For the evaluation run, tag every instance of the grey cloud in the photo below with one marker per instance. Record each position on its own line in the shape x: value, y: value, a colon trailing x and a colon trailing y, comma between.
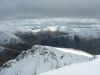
x: 49, y: 8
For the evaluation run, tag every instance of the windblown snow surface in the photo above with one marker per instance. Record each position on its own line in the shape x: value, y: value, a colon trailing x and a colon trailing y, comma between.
x: 87, y: 68
x: 41, y: 59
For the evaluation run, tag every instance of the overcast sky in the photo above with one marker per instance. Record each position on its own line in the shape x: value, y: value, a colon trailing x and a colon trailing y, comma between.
x: 49, y: 8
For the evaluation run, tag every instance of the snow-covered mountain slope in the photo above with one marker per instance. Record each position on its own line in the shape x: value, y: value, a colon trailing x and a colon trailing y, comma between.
x: 82, y: 27
x: 8, y: 38
x: 40, y: 59
x: 2, y: 49
x: 87, y: 68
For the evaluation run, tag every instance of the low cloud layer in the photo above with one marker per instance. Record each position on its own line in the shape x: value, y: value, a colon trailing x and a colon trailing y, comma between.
x: 49, y: 8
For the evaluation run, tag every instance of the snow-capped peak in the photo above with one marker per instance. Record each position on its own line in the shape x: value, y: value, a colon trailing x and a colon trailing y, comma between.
x: 40, y: 59
x: 8, y: 38
x: 2, y: 49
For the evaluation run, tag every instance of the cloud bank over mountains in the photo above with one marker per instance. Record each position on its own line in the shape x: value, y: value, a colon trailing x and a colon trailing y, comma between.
x: 49, y: 8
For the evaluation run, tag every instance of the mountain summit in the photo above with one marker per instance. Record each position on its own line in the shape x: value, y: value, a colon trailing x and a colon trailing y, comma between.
x: 40, y: 59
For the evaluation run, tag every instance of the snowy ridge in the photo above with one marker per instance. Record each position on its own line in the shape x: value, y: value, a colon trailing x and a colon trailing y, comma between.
x: 75, y: 52
x: 87, y: 68
x: 8, y: 38
x: 2, y: 49
x: 41, y: 59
